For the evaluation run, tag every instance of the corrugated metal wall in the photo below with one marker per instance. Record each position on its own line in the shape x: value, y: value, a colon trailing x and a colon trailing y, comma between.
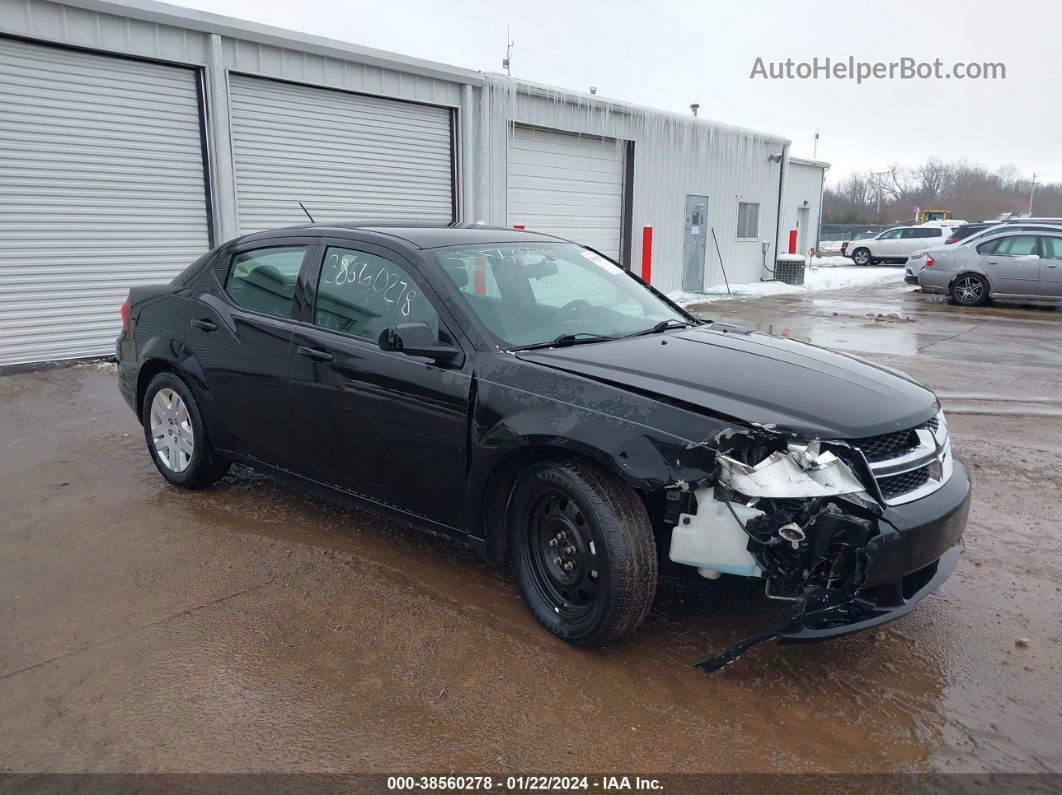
x: 673, y: 156
x: 803, y: 184
x: 101, y: 188
x: 345, y: 156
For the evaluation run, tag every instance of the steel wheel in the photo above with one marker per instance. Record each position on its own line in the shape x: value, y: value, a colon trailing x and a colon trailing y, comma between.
x: 563, y: 556
x: 969, y: 290
x: 171, y: 430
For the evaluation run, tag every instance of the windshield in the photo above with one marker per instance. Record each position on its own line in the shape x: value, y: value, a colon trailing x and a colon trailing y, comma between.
x: 526, y: 295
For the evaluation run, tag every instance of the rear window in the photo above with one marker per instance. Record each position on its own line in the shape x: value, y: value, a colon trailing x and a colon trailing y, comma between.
x: 264, y: 280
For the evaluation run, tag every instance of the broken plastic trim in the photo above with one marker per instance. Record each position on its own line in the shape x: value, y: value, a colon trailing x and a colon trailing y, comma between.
x: 816, y: 520
x: 802, y: 471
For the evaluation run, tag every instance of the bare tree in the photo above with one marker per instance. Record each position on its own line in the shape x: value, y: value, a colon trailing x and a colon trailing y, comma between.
x: 969, y: 190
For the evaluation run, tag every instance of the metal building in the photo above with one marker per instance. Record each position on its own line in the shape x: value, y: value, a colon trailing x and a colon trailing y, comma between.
x: 802, y: 207
x: 135, y: 135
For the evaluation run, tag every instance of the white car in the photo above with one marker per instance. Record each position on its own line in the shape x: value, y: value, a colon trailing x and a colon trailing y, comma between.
x: 895, y: 245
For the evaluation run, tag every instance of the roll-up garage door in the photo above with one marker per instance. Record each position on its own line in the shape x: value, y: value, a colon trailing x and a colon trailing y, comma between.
x: 347, y: 157
x: 101, y: 188
x: 567, y: 185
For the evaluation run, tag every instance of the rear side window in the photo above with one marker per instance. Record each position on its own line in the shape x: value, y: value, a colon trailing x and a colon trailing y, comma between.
x: 264, y: 280
x: 1017, y: 246
x: 932, y: 232
x: 362, y: 294
x: 1052, y: 247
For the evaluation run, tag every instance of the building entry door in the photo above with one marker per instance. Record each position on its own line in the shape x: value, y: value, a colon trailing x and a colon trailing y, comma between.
x: 695, y: 243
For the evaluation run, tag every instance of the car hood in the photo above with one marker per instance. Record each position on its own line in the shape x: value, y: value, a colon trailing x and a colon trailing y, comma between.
x: 754, y: 377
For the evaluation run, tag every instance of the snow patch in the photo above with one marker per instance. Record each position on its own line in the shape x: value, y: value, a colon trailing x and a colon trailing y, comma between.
x: 825, y: 273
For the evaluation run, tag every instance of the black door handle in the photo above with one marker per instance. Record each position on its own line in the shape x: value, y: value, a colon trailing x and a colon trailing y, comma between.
x: 317, y: 354
x: 205, y: 325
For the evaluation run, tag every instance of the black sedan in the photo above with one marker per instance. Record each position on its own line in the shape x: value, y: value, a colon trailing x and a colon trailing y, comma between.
x: 530, y: 397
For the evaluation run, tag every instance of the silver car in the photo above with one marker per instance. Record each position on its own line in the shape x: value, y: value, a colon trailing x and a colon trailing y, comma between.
x: 1009, y: 264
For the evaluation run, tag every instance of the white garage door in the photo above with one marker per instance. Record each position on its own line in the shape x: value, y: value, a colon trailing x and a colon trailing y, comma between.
x: 567, y: 185
x: 346, y: 157
x: 101, y: 188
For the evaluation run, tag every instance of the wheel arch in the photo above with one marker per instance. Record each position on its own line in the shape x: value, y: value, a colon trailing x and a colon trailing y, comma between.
x: 492, y: 499
x: 970, y: 272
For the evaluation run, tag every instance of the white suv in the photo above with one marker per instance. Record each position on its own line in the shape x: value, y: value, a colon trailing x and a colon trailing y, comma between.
x: 895, y: 245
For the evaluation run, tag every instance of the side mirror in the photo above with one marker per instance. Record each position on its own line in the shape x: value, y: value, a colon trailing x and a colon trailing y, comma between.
x: 416, y: 339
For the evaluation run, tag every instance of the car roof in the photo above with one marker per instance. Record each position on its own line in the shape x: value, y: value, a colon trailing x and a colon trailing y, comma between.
x: 423, y: 236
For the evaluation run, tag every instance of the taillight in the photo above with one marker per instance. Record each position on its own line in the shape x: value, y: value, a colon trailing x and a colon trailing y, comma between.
x: 929, y: 261
x: 951, y: 240
x: 125, y: 316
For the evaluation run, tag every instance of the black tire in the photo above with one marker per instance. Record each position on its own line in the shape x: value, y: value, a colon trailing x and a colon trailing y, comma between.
x: 611, y: 584
x: 969, y: 289
x: 205, y: 466
x: 861, y: 256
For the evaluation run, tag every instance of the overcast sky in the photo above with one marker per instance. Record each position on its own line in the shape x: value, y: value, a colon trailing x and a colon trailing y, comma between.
x: 669, y: 54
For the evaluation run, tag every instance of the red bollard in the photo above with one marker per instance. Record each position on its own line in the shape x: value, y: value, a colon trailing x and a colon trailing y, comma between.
x: 792, y: 241
x: 479, y: 276
x: 647, y: 254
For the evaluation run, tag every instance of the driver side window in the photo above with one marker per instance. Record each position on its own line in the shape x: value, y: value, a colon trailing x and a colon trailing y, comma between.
x: 362, y: 294
x: 892, y: 234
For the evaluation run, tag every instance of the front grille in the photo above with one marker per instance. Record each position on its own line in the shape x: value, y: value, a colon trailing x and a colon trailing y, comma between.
x: 890, y: 445
x: 894, y: 486
x: 908, y: 464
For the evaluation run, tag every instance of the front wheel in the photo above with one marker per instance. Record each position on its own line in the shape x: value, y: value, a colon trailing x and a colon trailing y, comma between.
x: 969, y: 290
x: 176, y: 436
x: 861, y: 256
x: 583, y: 551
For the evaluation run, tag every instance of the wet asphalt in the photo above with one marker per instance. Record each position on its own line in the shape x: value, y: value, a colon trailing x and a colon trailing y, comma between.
x: 251, y: 627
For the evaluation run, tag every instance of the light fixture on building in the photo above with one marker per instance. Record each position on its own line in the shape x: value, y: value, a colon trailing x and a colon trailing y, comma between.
x: 593, y: 89
x: 695, y: 107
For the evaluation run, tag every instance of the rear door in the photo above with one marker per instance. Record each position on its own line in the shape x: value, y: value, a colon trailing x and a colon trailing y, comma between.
x: 242, y: 339
x: 1050, y: 283
x: 389, y: 427
x: 1012, y: 264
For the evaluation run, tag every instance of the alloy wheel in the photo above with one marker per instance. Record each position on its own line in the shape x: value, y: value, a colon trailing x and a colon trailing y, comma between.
x: 969, y: 290
x: 563, y: 555
x: 171, y: 430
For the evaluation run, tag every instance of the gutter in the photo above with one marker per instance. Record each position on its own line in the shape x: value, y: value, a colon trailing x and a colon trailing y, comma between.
x: 205, y: 22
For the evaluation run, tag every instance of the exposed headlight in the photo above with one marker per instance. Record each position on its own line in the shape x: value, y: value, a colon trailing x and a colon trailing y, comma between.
x: 804, y: 470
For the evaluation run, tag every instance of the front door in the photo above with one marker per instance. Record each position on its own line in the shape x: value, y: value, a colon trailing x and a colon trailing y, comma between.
x: 695, y: 243
x: 1050, y: 283
x: 802, y: 230
x: 241, y: 341
x: 1012, y: 264
x: 389, y: 427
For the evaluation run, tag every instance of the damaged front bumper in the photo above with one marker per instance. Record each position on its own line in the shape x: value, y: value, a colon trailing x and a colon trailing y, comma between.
x: 917, y: 550
x: 847, y: 564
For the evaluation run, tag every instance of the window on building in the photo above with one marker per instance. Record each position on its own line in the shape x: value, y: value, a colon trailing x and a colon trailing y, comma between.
x: 362, y: 294
x: 264, y: 280
x: 748, y: 221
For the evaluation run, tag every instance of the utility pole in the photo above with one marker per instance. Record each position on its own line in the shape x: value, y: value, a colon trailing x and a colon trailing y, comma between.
x: 1032, y: 191
x: 877, y: 175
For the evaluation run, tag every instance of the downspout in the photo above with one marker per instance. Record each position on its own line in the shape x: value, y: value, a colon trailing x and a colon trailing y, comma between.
x: 783, y: 167
x: 483, y: 156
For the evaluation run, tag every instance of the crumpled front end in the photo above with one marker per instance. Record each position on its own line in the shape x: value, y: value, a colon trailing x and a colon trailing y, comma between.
x: 851, y: 533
